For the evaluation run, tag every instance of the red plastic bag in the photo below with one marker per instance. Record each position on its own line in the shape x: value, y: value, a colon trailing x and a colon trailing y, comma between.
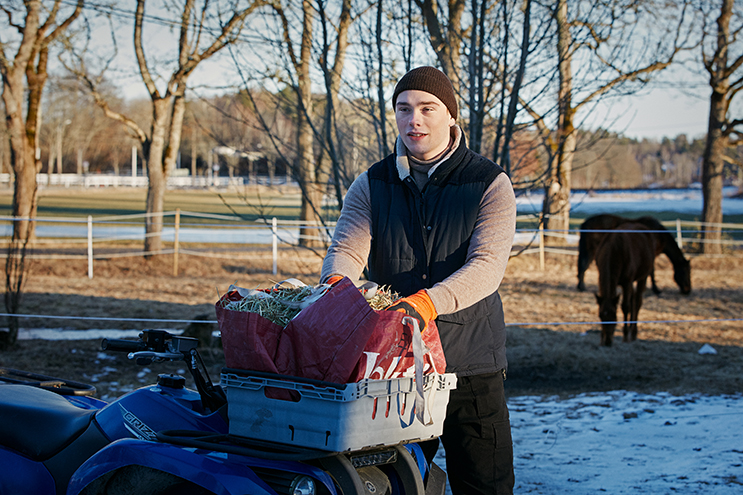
x: 389, y: 351
x: 248, y: 339
x: 338, y: 338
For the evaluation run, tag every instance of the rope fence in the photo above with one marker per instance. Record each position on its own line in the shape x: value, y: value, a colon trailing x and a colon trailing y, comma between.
x: 512, y: 324
x: 233, y: 230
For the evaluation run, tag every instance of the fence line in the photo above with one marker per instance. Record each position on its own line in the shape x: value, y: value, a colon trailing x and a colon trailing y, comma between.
x: 288, y: 232
x: 100, y: 180
x: 509, y: 324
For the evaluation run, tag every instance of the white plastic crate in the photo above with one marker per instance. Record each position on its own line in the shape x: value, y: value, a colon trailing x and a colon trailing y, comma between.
x: 335, y: 418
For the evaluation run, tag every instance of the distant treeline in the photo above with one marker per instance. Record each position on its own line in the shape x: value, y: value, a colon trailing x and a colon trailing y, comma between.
x: 610, y: 161
x: 91, y: 143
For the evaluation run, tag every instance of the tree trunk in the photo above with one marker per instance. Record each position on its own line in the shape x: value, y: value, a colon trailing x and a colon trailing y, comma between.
x: 446, y: 44
x: 156, y: 175
x: 712, y: 178
x: 556, y: 207
x: 23, y: 162
x: 30, y: 61
x: 717, y: 137
x: 306, y: 173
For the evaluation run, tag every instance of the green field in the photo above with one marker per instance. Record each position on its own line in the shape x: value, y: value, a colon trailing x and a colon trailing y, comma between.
x: 282, y: 203
x: 251, y: 204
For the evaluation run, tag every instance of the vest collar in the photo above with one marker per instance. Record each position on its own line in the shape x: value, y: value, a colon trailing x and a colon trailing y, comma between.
x: 403, y: 163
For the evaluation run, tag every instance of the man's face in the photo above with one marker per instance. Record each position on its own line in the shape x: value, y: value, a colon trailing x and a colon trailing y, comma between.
x: 423, y: 122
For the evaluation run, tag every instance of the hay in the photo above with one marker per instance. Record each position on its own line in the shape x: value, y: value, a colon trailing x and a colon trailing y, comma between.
x: 281, y: 305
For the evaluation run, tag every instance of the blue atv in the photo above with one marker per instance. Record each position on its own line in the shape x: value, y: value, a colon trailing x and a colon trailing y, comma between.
x: 165, y: 439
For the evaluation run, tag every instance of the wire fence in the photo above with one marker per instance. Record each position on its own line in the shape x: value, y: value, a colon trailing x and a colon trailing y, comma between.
x: 197, y: 234
x: 181, y: 323
x: 221, y: 236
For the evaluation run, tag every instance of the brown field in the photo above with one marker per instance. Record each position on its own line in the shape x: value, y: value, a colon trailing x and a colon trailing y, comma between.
x: 549, y: 350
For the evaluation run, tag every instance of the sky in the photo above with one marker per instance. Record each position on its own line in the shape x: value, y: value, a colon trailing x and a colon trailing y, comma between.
x: 663, y: 113
x: 675, y: 102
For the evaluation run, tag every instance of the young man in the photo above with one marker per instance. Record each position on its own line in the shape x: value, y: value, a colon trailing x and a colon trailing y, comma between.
x: 435, y: 222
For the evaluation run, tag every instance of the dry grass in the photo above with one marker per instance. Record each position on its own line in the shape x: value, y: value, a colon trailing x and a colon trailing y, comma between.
x: 543, y: 358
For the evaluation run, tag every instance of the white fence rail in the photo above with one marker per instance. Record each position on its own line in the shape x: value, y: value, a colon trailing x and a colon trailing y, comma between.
x: 96, y: 180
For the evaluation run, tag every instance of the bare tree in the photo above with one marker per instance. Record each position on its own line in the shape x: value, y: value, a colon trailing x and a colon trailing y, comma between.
x: 23, y: 65
x: 24, y: 75
x: 722, y: 58
x: 333, y: 140
x: 301, y: 82
x: 613, y: 56
x: 445, y: 34
x: 197, y: 42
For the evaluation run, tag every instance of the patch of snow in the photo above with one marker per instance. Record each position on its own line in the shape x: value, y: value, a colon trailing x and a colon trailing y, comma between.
x: 627, y: 443
x: 92, y: 334
x: 707, y: 349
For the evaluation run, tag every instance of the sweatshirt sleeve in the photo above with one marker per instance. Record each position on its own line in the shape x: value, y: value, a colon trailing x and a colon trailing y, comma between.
x: 349, y: 250
x: 488, y: 253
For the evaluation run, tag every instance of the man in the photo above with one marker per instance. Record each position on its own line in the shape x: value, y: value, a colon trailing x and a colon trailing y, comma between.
x: 435, y: 222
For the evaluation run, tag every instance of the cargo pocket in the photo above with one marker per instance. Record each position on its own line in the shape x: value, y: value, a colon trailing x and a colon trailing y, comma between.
x: 502, y: 435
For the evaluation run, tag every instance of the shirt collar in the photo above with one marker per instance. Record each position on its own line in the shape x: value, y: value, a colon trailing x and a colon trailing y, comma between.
x: 403, y: 163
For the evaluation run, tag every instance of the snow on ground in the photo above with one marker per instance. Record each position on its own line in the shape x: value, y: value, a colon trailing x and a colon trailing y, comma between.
x: 627, y: 443
x: 624, y: 442
x: 91, y: 334
x: 624, y: 202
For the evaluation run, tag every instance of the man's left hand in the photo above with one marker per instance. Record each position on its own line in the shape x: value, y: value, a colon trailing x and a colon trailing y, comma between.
x: 418, y: 306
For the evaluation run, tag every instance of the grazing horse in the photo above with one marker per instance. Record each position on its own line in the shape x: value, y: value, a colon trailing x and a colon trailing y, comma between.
x: 624, y: 259
x: 664, y: 243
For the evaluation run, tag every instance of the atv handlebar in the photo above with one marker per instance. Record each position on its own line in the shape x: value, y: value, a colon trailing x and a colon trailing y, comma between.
x: 159, y: 345
x: 153, y: 341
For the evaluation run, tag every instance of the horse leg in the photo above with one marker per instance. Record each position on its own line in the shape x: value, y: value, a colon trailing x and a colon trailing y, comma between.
x: 628, y: 298
x: 585, y: 256
x: 655, y: 288
x: 636, y: 307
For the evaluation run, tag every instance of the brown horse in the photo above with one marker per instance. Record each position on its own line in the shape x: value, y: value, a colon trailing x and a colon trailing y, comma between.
x: 624, y: 258
x: 594, y: 228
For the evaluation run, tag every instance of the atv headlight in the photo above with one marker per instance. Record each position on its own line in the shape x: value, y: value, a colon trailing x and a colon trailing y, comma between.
x: 303, y: 485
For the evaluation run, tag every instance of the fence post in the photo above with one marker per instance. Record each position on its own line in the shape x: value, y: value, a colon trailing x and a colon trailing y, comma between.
x: 175, y: 242
x: 541, y: 244
x: 275, y: 246
x: 90, y: 246
x: 134, y: 166
x: 679, y: 240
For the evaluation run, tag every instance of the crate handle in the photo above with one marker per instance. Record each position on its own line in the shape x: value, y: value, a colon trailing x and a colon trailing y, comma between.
x: 420, y: 405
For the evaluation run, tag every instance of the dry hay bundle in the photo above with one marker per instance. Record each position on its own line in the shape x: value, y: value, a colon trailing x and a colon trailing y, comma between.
x: 281, y: 304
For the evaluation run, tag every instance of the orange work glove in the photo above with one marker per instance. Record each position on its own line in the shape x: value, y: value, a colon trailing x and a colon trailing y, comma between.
x: 419, y: 306
x: 333, y: 279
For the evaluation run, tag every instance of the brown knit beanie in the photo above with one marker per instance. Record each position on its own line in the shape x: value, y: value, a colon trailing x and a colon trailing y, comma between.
x: 431, y: 80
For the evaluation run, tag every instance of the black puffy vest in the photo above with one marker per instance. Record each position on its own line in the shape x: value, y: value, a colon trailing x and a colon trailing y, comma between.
x: 421, y: 237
